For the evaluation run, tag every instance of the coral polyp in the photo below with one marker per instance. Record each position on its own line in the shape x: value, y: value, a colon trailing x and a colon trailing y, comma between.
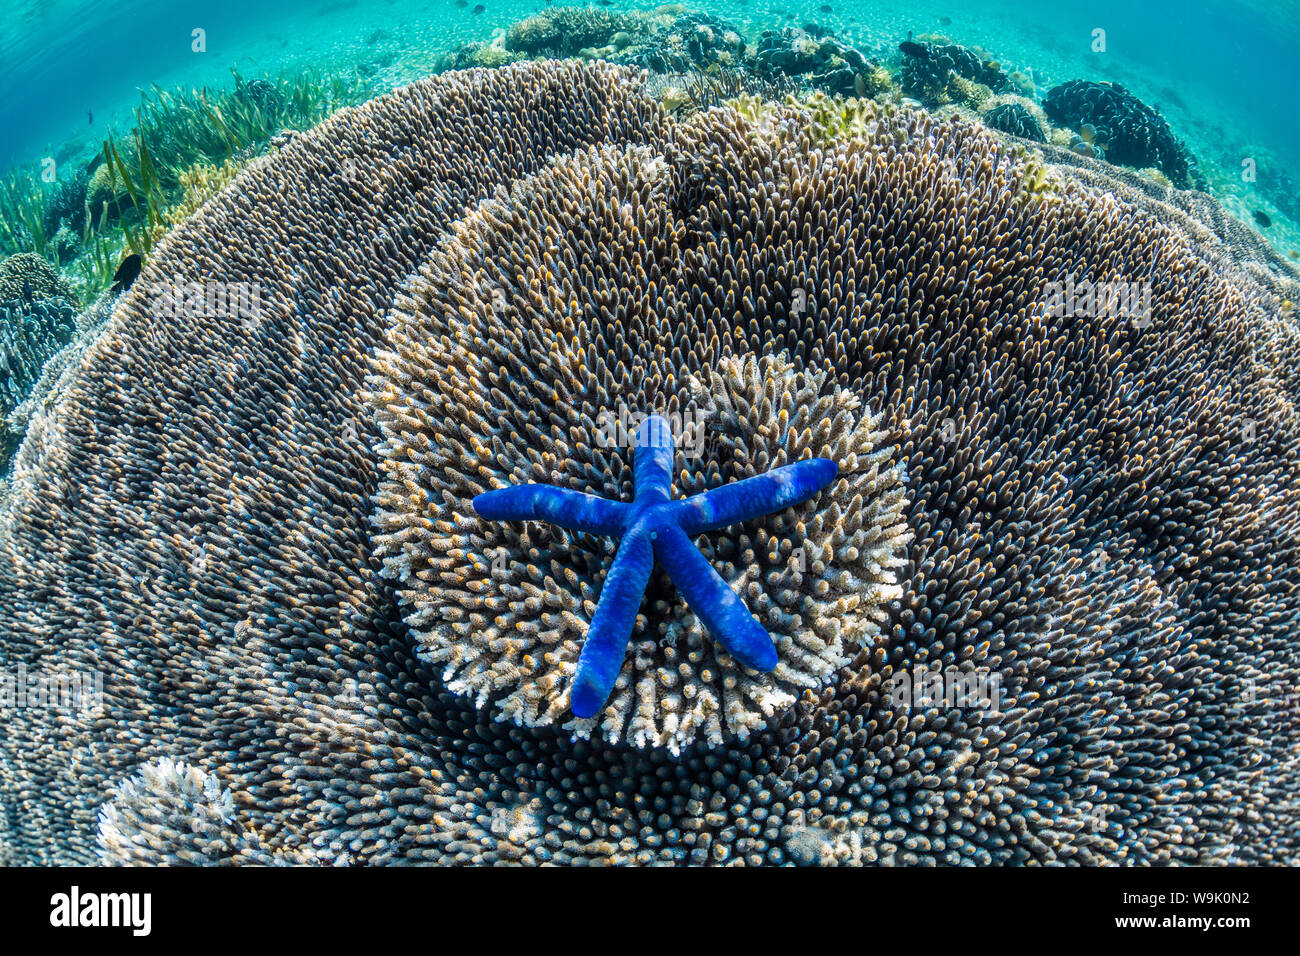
x: 654, y: 527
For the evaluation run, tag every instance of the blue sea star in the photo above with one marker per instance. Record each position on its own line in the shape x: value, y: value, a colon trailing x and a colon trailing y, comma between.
x: 655, y: 527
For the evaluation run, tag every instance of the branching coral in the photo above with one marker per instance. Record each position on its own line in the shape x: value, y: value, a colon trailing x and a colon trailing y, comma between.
x: 30, y: 333
x: 1100, y: 542
x: 655, y: 528
x: 505, y: 609
x: 196, y: 812
x: 1135, y: 134
x: 1017, y: 116
x: 29, y: 278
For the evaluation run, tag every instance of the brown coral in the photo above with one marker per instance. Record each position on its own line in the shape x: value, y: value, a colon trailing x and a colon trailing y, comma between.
x: 505, y: 610
x: 1105, y: 512
x: 27, y: 277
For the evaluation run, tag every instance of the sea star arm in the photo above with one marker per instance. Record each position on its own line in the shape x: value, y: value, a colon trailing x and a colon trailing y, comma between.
x: 611, y: 626
x: 653, y: 465
x: 754, y: 497
x: 574, y: 510
x: 713, y: 601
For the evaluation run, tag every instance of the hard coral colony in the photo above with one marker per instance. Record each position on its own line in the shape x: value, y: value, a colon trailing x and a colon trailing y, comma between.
x: 654, y: 528
x: 367, y: 585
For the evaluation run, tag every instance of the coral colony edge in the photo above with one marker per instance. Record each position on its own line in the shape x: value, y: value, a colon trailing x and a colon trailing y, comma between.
x: 595, y: 458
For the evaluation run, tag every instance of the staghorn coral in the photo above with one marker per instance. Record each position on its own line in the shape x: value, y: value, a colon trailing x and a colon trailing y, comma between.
x: 1133, y: 133
x: 1092, y: 525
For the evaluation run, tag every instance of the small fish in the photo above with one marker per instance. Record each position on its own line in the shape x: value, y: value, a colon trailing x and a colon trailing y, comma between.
x: 126, y: 273
x: 90, y: 117
x: 1088, y: 132
x: 945, y: 21
x: 27, y: 289
x: 1261, y: 217
x: 1294, y: 254
x: 478, y: 9
x: 826, y: 8
x: 993, y: 65
x: 462, y: 3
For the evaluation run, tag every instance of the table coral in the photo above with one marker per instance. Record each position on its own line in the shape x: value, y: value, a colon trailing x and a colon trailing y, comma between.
x: 655, y: 528
x: 1103, y: 515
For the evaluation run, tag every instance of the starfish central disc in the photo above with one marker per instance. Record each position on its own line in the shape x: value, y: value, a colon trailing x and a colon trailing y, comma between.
x: 653, y: 527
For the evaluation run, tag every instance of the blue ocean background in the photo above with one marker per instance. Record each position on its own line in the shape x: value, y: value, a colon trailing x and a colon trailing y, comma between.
x: 1225, y: 73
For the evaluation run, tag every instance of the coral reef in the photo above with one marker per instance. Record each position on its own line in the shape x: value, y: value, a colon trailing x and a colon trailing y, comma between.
x: 565, y: 31
x: 1105, y: 513
x: 1017, y: 116
x: 829, y: 64
x: 656, y: 528
x: 28, y: 277
x: 1133, y: 134
x: 937, y: 73
x: 30, y: 334
x: 696, y: 41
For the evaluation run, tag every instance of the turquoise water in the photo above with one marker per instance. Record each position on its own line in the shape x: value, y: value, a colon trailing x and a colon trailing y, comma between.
x: 1223, y: 72
x: 1214, y: 65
